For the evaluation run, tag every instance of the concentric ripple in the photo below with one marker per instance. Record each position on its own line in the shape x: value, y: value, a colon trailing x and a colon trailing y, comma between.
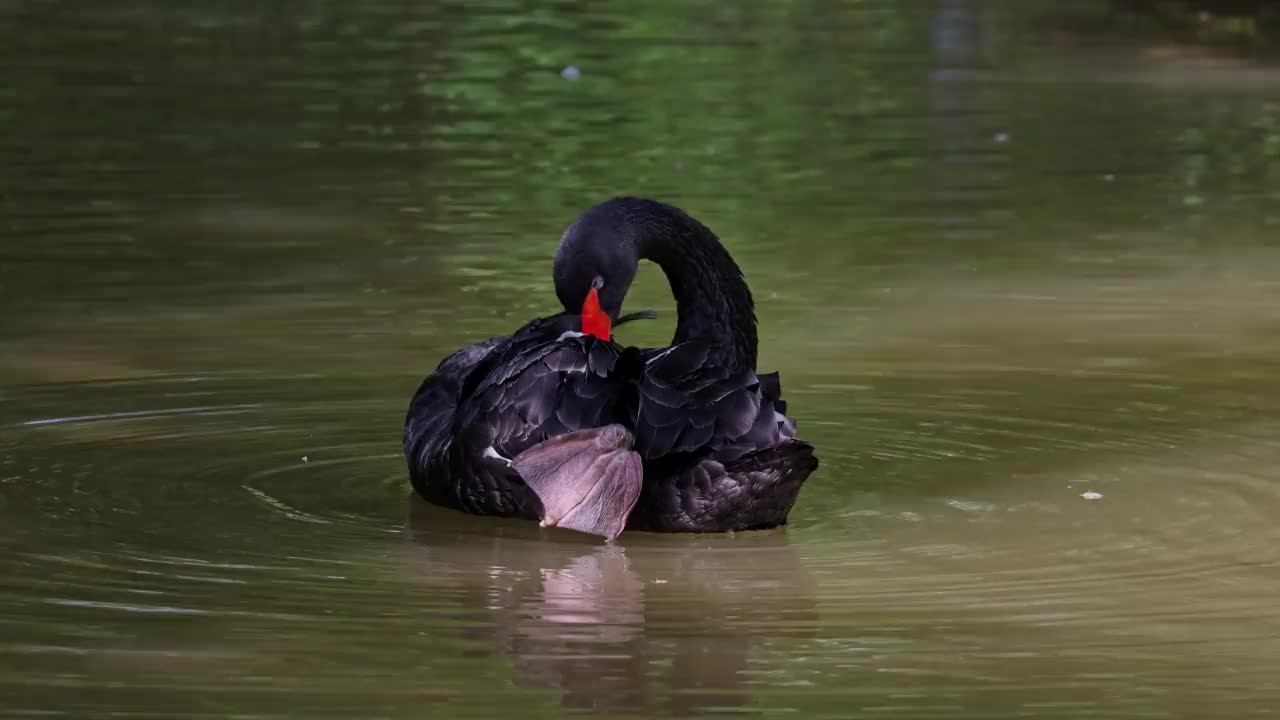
x: 970, y: 536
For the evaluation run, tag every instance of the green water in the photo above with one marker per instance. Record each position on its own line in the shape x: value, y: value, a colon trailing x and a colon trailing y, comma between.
x: 1001, y: 260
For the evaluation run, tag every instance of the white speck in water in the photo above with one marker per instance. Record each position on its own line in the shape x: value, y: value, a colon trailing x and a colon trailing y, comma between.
x: 971, y: 506
x: 1091, y: 495
x: 304, y: 458
x: 1001, y: 137
x: 571, y: 72
x: 1109, y: 177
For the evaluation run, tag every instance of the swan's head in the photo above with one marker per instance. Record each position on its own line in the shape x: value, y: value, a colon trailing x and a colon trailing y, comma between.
x: 597, y: 252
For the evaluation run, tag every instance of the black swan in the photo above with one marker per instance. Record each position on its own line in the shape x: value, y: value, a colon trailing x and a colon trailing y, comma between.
x: 561, y: 424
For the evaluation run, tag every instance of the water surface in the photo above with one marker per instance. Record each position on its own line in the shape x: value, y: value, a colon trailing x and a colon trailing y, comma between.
x: 1021, y: 283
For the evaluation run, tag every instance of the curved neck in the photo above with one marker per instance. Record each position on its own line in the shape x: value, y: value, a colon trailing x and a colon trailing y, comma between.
x: 713, y: 302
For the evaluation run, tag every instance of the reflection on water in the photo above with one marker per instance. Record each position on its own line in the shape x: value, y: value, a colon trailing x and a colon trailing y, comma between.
x: 656, y: 623
x: 1020, y: 282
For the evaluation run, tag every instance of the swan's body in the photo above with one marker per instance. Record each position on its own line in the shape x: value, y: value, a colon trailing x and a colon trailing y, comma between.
x: 576, y: 430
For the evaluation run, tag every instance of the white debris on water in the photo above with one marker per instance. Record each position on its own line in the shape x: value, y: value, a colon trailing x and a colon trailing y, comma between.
x: 1001, y: 137
x: 1091, y: 495
x: 571, y: 72
x: 304, y: 458
x: 971, y: 506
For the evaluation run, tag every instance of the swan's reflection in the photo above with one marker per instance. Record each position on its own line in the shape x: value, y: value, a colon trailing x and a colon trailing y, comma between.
x: 654, y: 622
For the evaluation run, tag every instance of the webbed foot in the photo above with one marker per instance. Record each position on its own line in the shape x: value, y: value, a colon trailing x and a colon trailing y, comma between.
x: 587, y: 480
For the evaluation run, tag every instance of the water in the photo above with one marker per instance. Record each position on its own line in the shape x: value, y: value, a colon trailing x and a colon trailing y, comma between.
x: 1020, y: 280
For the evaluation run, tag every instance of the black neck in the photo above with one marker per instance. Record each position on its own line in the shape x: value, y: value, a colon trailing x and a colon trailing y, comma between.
x: 712, y: 299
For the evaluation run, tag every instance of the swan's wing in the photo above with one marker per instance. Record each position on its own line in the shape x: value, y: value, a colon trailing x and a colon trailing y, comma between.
x: 771, y: 428
x: 538, y: 390
x: 688, y: 403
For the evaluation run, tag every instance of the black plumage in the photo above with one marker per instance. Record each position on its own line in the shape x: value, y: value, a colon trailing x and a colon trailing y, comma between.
x: 715, y: 447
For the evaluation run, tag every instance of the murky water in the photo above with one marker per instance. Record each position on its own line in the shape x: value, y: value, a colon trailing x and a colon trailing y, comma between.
x: 1022, y: 285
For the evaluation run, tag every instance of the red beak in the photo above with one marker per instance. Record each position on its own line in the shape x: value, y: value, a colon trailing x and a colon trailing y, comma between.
x: 595, y: 321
